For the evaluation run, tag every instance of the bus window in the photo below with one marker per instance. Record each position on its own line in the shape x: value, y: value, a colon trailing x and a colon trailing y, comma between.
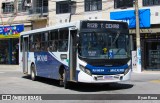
x: 37, y: 42
x: 31, y: 44
x: 63, y: 40
x: 44, y: 41
x: 53, y: 40
x: 53, y: 46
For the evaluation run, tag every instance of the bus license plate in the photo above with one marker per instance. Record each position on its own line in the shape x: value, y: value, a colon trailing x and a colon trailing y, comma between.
x: 111, y: 77
x: 108, y: 77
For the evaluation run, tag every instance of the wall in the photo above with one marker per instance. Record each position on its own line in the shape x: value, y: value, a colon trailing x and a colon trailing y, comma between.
x: 80, y: 13
x: 52, y: 12
x: 107, y: 7
x: 24, y: 18
x: 39, y: 24
x: 155, y: 14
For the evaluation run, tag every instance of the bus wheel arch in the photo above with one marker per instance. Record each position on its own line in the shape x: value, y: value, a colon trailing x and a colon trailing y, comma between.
x: 33, y: 72
x: 63, y: 76
x: 61, y: 71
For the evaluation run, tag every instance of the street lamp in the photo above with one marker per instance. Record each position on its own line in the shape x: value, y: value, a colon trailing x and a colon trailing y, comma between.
x: 139, y: 66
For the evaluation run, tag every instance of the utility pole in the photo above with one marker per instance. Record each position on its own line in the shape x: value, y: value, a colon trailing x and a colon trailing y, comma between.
x: 42, y: 8
x: 139, y: 66
x: 70, y: 7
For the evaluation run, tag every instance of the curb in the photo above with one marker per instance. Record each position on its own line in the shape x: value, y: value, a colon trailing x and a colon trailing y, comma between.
x: 9, y: 67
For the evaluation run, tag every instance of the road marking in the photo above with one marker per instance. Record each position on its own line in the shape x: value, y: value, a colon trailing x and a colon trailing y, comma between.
x: 155, y: 81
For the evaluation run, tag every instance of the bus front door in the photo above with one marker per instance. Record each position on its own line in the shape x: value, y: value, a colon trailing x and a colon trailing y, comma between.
x: 72, y: 54
x: 25, y: 54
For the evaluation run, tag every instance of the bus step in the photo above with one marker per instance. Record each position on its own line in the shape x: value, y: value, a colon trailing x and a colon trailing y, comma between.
x: 61, y: 83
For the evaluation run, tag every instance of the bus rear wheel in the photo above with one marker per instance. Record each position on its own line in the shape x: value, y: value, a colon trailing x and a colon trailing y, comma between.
x: 33, y: 72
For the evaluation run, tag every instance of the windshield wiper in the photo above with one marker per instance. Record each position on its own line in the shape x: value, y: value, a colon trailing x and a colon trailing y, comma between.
x: 118, y: 32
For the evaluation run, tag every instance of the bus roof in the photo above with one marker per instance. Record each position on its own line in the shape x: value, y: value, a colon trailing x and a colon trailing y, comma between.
x: 50, y: 28
x: 58, y: 26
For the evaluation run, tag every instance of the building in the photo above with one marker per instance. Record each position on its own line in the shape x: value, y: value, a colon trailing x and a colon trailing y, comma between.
x: 62, y: 11
x: 40, y: 13
x: 32, y: 14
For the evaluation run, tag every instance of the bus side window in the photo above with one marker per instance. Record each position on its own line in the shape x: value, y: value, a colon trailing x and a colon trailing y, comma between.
x: 37, y: 42
x: 37, y: 45
x: 52, y: 37
x: 44, y: 41
x: 31, y: 44
x: 63, y: 40
x: 53, y: 46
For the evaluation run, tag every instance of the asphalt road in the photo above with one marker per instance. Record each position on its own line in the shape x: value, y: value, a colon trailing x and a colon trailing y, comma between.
x: 13, y: 81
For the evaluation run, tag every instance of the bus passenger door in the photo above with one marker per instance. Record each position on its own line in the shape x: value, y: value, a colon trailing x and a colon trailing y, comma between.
x: 25, y: 49
x: 72, y: 54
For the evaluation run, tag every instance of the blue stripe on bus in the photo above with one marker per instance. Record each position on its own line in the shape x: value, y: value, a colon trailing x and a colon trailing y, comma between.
x: 107, y: 70
x: 47, y: 65
x: 52, y: 54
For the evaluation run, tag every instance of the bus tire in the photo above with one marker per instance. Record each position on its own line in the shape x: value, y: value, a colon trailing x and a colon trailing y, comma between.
x: 65, y: 82
x: 33, y: 72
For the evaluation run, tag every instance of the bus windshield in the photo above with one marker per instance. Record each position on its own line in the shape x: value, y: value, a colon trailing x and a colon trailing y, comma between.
x: 111, y: 45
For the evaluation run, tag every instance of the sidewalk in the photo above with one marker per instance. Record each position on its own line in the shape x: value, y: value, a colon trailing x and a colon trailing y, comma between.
x: 150, y: 72
x: 147, y: 72
x: 9, y: 67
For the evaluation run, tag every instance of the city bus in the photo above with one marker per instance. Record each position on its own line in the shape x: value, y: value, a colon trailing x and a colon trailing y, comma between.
x: 86, y: 51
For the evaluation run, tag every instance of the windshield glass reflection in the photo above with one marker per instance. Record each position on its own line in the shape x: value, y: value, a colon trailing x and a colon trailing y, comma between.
x: 104, y: 45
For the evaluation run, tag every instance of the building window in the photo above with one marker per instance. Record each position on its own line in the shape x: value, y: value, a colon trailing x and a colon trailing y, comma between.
x: 93, y: 5
x: 41, y: 6
x: 8, y: 7
x: 62, y: 7
x: 24, y: 5
x: 123, y: 3
x: 151, y: 2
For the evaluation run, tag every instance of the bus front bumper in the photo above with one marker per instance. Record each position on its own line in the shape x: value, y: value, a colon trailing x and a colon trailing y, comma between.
x: 85, y: 78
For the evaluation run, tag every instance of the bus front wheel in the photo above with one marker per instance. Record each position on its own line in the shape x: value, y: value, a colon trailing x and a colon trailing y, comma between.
x: 33, y: 72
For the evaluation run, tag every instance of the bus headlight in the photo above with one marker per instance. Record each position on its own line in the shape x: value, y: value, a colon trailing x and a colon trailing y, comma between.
x: 85, y: 70
x: 127, y: 70
x: 82, y: 67
x: 88, y: 72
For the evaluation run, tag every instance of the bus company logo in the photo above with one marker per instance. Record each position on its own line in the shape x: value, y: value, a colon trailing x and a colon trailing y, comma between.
x: 21, y: 97
x: 116, y: 70
x: 42, y: 58
x: 6, y: 97
x: 98, y: 70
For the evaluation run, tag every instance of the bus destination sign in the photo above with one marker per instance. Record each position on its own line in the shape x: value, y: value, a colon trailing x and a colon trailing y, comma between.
x: 102, y: 25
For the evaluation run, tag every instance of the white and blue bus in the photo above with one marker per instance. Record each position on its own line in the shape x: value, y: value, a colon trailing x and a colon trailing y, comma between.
x: 88, y: 51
